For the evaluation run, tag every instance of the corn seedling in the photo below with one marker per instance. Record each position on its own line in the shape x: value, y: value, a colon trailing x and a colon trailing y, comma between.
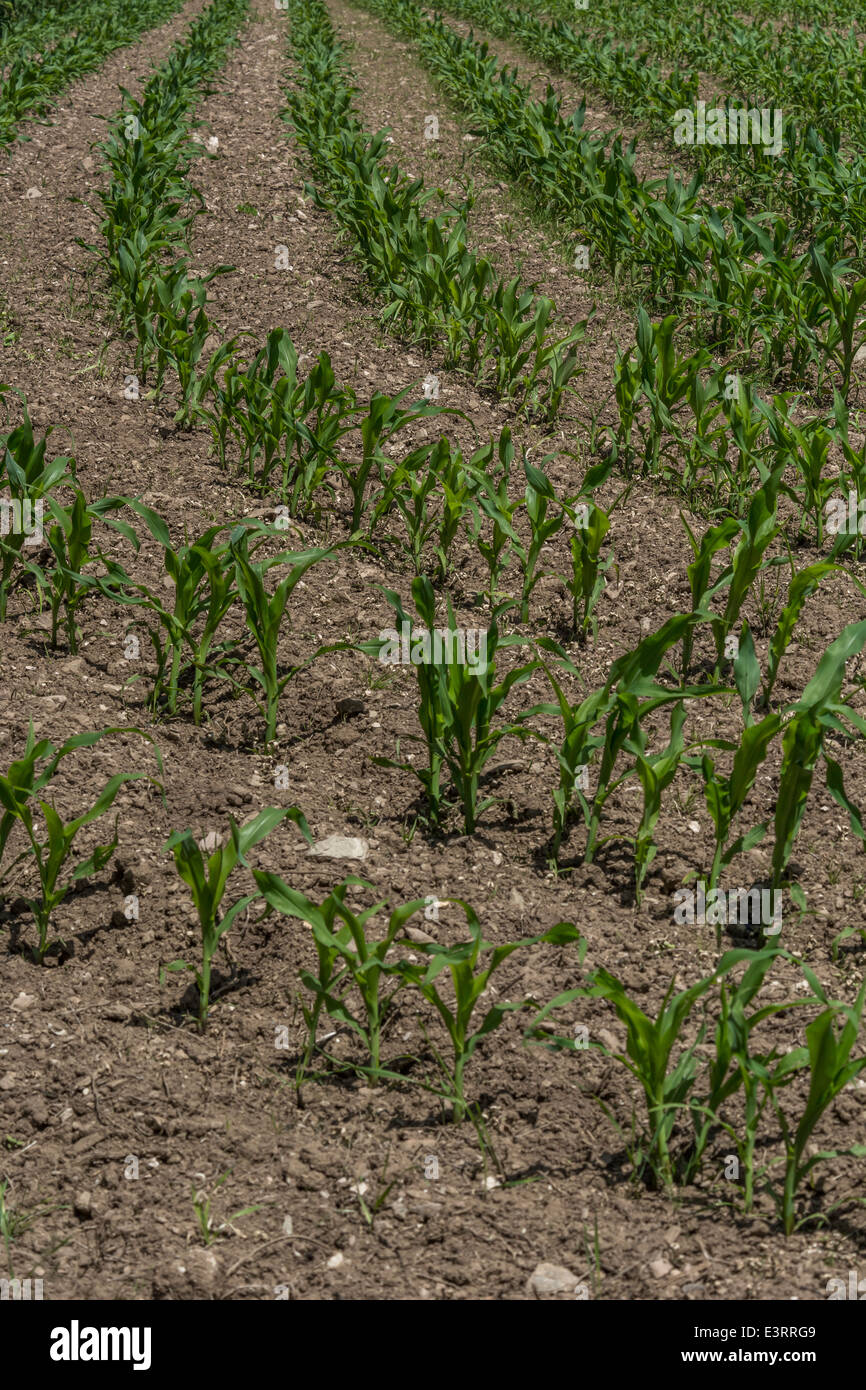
x: 830, y: 1039
x: 459, y: 702
x: 819, y: 710
x: 538, y: 497
x: 201, y: 578
x: 657, y: 1056
x: 631, y: 693
x: 410, y: 489
x: 656, y: 772
x: 201, y: 1203
x: 348, y: 958
x: 493, y: 502
x: 30, y: 481
x: 263, y: 614
x: 49, y: 849
x: 207, y: 879
x: 469, y: 982
x: 588, y: 526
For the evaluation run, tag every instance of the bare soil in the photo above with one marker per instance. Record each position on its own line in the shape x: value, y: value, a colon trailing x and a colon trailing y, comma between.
x: 114, y: 1109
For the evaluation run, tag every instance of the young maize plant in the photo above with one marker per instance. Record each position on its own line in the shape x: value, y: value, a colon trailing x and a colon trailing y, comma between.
x: 846, y: 319
x: 492, y: 480
x: 427, y: 473
x: 412, y: 486
x: 756, y: 534
x: 664, y: 1065
x: 656, y: 772
x: 803, y: 726
x: 385, y: 418
x: 62, y: 583
x: 819, y: 711
x: 827, y: 1056
x: 179, y: 334
x: 631, y: 693
x: 347, y: 959
x: 207, y: 879
x: 468, y: 984
x: 733, y: 1067
x: 350, y: 959
x: 263, y: 616
x: 182, y: 634
x: 460, y: 700
x: 281, y: 422
x: 803, y: 584
x: 29, y: 481
x: 49, y: 848
x: 538, y: 496
x: 588, y: 526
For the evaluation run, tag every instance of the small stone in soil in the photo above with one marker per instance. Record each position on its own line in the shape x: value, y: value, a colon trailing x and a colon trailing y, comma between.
x: 340, y: 847
x: 547, y: 1279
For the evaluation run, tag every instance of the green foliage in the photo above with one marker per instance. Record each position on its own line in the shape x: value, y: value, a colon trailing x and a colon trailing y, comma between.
x: 207, y: 879
x: 50, y: 846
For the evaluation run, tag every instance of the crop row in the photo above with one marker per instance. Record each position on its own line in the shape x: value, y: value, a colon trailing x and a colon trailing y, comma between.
x: 149, y: 203
x: 363, y: 978
x: 754, y: 286
x: 802, y: 171
x: 433, y: 285
x: 710, y: 433
x: 37, y: 64
x: 198, y: 646
x: 813, y: 71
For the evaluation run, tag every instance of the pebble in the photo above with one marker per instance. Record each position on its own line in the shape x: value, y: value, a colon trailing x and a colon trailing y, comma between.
x: 340, y: 847
x: 83, y: 1205
x: 547, y: 1279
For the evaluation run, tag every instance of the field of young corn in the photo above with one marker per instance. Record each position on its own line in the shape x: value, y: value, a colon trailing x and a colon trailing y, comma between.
x: 433, y: 675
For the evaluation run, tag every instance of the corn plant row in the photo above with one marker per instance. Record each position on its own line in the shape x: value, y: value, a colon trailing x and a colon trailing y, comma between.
x: 286, y: 428
x: 42, y: 60
x: 196, y: 638
x: 462, y: 724
x: 652, y: 13
x: 751, y: 282
x: 33, y: 24
x: 811, y: 70
x: 361, y: 980
x: 196, y: 641
x: 804, y: 173
x: 434, y: 286
x: 48, y: 838
x: 709, y: 432
x: 149, y: 203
